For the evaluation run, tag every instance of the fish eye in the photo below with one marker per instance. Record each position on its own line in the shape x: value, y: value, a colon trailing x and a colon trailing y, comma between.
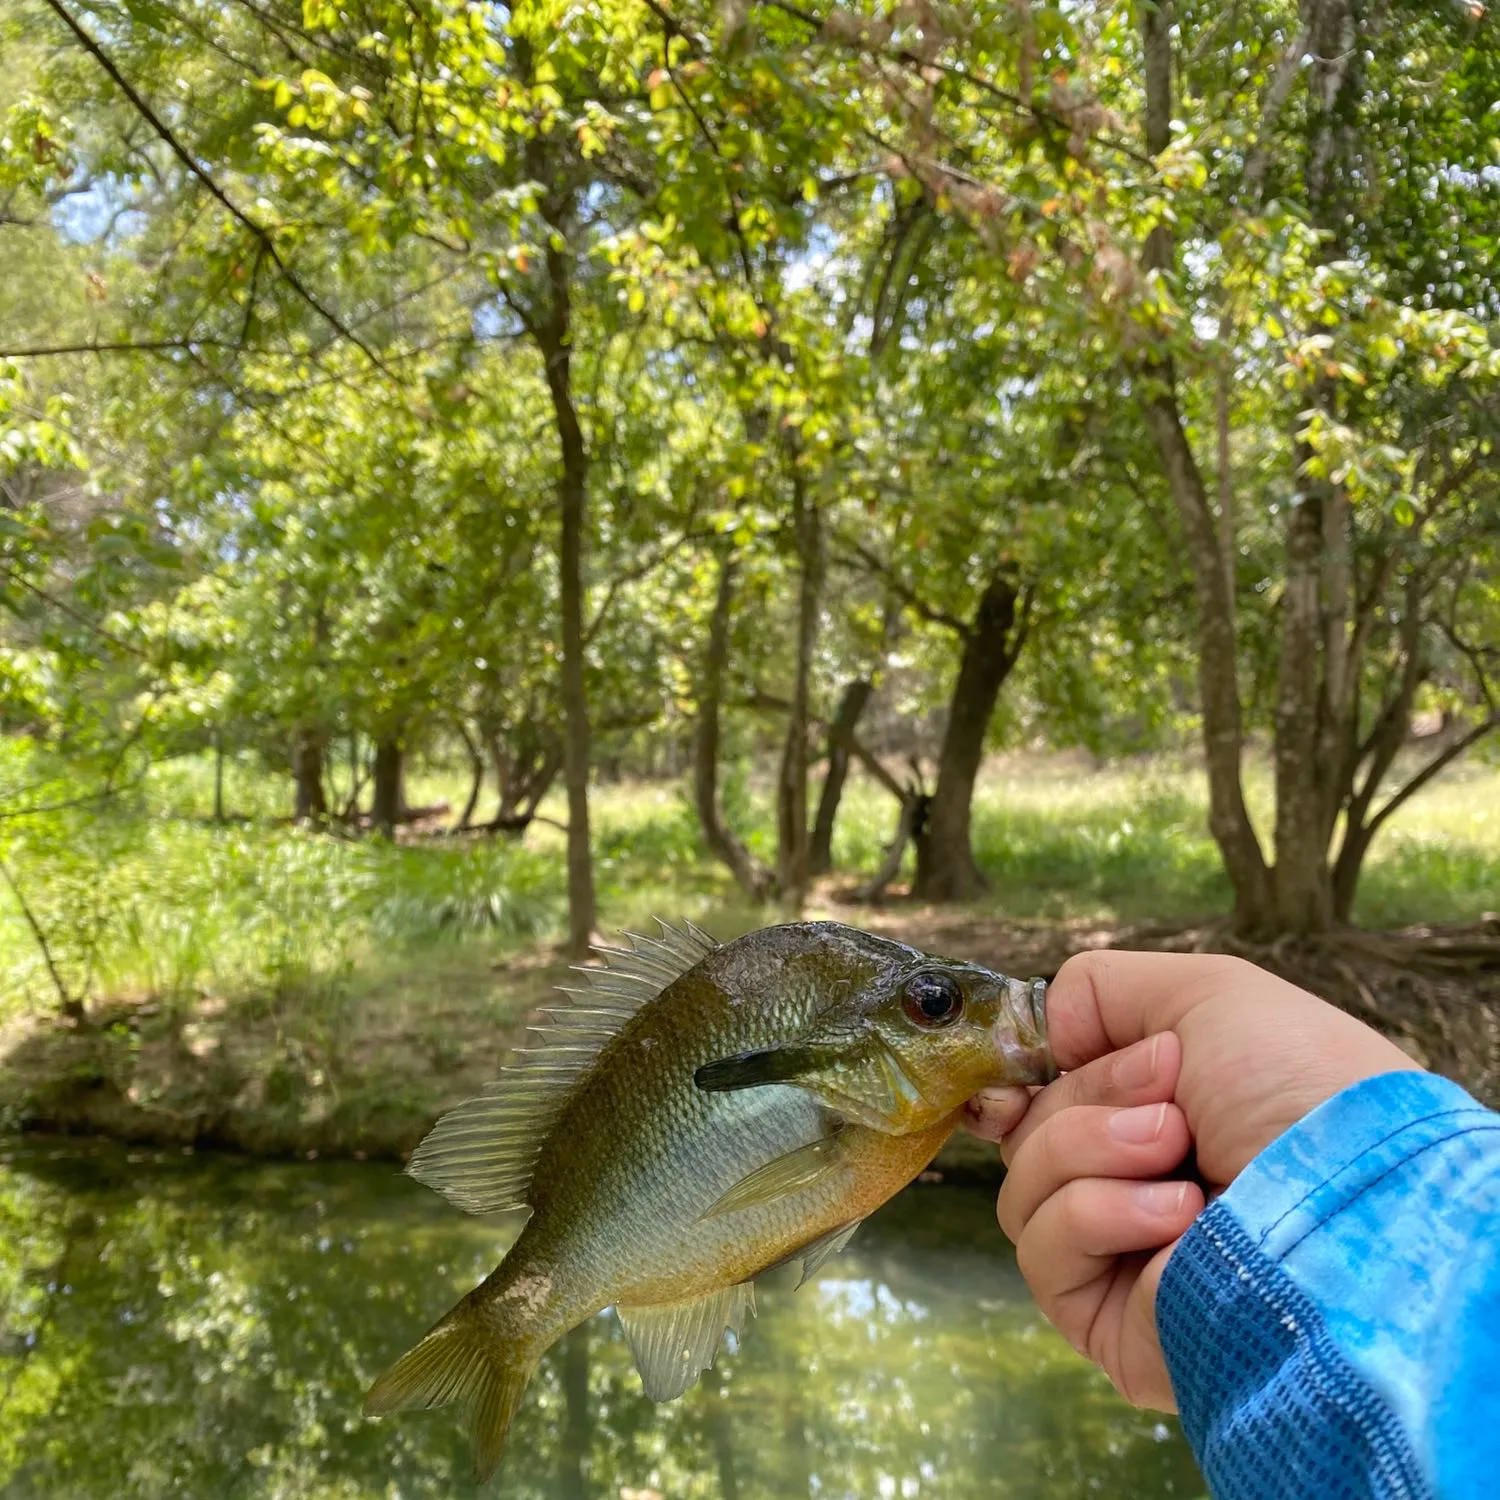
x: 934, y: 999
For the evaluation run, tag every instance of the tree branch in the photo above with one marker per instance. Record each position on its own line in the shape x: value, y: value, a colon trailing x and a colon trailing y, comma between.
x: 634, y: 574
x: 74, y: 614
x: 1431, y: 769
x: 905, y: 592
x: 910, y: 59
x: 262, y: 234
x: 1276, y: 96
x: 143, y: 346
x: 766, y: 702
x: 71, y: 1007
x: 1475, y: 656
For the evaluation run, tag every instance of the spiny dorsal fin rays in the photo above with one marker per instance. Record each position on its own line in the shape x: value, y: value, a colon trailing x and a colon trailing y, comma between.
x: 481, y: 1155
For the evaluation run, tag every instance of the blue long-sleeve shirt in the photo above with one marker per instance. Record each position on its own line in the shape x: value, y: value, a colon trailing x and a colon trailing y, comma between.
x: 1332, y: 1321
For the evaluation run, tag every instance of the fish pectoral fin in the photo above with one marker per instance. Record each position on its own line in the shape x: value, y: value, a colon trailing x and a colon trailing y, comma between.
x: 674, y: 1342
x: 786, y: 1062
x: 824, y: 1248
x: 852, y: 1071
x: 797, y: 1170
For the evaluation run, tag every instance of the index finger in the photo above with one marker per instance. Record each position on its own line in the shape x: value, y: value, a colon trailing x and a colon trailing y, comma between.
x: 1105, y: 1000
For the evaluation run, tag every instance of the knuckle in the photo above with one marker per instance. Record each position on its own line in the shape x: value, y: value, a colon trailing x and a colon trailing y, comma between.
x: 1070, y: 1207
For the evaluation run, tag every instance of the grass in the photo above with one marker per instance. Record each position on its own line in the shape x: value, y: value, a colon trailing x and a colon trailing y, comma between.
x: 1061, y: 840
x: 158, y: 901
x: 289, y: 987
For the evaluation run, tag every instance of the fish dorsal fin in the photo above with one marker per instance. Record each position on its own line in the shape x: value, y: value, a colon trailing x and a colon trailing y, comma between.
x: 480, y: 1156
x: 675, y: 1342
x: 790, y: 1173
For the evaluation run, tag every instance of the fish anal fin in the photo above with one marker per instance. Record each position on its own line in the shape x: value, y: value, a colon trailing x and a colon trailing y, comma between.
x: 673, y: 1343
x: 481, y: 1155
x: 792, y: 1173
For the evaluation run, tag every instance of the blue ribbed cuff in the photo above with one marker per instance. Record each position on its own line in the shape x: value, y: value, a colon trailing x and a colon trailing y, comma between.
x: 1271, y: 1408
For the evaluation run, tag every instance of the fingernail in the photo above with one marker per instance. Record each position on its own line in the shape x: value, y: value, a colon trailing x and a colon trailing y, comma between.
x: 1139, y: 1126
x: 1136, y: 1066
x: 1163, y: 1199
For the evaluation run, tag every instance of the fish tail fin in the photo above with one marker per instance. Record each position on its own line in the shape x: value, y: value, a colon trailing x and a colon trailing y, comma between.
x: 461, y: 1360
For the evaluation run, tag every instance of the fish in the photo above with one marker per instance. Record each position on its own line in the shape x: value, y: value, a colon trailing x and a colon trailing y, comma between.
x: 695, y: 1116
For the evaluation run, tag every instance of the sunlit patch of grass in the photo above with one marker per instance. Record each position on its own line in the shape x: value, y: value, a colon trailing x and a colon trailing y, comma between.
x: 1058, y: 838
x: 1416, y: 877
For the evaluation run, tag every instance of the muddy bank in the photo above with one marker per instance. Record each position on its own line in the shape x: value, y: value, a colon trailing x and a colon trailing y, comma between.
x: 366, y: 1077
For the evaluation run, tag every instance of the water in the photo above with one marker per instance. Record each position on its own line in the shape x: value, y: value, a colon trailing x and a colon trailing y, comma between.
x: 203, y: 1326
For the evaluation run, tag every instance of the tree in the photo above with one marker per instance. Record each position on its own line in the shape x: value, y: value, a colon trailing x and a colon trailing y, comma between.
x: 1337, y: 292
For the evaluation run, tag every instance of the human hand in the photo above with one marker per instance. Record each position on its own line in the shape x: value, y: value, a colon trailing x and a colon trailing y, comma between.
x: 1162, y: 1052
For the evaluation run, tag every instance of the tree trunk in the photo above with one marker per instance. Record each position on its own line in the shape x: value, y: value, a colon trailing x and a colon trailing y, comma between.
x: 554, y: 336
x: 505, y: 780
x: 1346, y: 872
x: 578, y: 1420
x: 1302, y: 893
x: 525, y: 767
x: 476, y: 777
x: 911, y: 820
x: 350, y: 813
x: 1218, y: 665
x: 791, y: 791
x: 753, y: 877
x: 720, y: 1432
x: 1315, y: 729
x: 946, y: 869
x: 795, y: 1449
x: 852, y: 703
x: 386, y: 800
x: 219, y: 815
x: 310, y: 804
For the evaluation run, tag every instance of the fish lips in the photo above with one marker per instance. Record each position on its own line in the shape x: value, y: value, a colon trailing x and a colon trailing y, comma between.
x: 1020, y: 1034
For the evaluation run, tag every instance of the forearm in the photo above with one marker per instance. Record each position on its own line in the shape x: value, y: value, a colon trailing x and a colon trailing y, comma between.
x: 1331, y: 1322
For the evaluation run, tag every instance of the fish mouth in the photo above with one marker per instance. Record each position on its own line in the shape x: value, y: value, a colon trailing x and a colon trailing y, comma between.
x: 1020, y: 1034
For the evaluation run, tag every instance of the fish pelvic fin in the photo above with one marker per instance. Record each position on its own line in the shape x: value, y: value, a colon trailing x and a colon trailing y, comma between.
x: 461, y: 1360
x: 824, y: 1248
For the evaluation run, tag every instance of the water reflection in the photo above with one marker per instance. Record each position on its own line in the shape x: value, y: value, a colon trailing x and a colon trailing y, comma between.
x: 206, y: 1327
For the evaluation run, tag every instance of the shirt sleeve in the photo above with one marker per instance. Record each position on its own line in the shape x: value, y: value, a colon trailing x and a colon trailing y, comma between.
x: 1332, y: 1321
